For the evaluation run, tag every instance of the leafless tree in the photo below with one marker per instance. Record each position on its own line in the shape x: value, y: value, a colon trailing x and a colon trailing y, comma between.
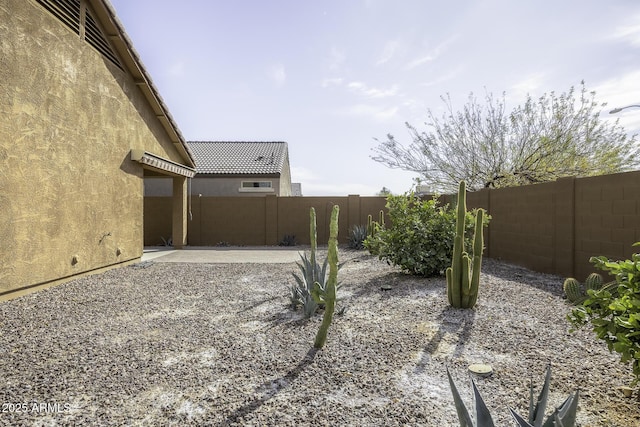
x: 544, y: 139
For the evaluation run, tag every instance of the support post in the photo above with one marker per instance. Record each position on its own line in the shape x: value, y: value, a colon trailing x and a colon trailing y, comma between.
x: 179, y: 221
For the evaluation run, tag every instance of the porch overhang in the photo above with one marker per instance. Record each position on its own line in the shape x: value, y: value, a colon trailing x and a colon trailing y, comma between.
x: 161, y: 165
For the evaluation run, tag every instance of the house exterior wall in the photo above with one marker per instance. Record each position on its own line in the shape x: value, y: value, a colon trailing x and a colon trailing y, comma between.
x: 285, y: 179
x: 216, y: 187
x: 71, y: 200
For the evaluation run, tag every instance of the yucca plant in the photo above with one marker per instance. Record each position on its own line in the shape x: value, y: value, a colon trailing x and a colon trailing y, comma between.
x: 563, y: 416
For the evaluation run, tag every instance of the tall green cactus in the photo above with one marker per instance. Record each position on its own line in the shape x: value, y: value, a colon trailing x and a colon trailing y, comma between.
x: 313, y: 237
x: 463, y: 277
x: 328, y: 295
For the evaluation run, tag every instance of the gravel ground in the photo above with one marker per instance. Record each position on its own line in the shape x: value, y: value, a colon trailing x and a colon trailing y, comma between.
x: 217, y: 344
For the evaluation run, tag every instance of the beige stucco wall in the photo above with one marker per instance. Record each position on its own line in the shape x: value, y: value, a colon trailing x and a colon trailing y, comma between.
x: 285, y: 178
x: 68, y: 120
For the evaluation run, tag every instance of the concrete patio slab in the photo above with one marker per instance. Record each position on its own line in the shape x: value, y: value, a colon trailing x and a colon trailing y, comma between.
x: 233, y: 254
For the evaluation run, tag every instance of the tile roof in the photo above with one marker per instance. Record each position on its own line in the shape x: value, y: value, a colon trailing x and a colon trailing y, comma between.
x: 239, y: 157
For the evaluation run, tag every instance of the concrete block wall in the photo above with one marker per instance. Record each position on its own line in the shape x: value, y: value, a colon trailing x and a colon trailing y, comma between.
x: 255, y: 221
x: 553, y: 227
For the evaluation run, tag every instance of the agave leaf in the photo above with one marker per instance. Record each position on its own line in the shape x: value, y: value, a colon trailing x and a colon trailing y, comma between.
x: 519, y: 420
x: 541, y: 405
x: 463, y: 413
x: 565, y: 415
x: 483, y: 417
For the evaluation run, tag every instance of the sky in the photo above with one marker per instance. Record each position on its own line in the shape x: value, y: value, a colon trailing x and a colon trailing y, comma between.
x: 331, y: 76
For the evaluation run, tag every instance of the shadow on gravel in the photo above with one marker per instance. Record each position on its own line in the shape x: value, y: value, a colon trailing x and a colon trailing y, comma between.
x: 522, y: 276
x: 453, y: 321
x: 272, y: 388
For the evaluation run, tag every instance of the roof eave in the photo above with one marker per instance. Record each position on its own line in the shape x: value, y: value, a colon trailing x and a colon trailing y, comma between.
x: 131, y: 61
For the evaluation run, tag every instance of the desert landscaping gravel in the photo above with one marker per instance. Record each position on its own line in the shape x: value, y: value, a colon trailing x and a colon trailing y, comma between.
x: 159, y: 344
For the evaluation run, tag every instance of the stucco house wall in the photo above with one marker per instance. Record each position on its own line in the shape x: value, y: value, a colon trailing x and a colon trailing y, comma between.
x: 71, y: 198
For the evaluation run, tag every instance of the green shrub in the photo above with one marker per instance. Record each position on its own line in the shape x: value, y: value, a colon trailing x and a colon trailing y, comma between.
x: 420, y: 237
x: 614, y: 310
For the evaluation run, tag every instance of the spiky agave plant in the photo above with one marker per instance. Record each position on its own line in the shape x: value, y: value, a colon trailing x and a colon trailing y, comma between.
x: 563, y: 416
x: 310, y: 273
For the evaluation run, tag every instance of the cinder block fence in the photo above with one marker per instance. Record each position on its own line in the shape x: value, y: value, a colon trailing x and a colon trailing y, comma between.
x: 553, y: 227
x: 257, y: 221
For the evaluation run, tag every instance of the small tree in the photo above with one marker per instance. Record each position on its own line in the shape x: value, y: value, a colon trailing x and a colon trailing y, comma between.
x: 554, y: 136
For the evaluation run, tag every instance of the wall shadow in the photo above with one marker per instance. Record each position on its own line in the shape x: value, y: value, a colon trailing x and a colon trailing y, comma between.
x: 521, y: 276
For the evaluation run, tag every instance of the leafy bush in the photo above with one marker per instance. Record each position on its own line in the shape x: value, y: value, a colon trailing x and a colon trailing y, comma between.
x: 420, y: 238
x: 614, y: 310
x: 357, y: 236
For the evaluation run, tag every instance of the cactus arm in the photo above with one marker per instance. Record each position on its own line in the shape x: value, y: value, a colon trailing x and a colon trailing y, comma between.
x: 478, y: 247
x: 313, y: 237
x: 462, y: 208
x: 456, y: 272
x: 330, y: 293
x: 449, y: 276
x: 465, y: 285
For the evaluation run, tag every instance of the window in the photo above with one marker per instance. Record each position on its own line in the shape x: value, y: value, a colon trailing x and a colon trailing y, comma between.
x: 256, y: 186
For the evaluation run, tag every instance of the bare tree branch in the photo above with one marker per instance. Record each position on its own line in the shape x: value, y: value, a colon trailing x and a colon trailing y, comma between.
x: 541, y: 140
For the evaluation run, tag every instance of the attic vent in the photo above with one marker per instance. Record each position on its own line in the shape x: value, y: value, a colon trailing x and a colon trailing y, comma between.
x: 70, y: 12
x: 67, y: 11
x: 93, y: 35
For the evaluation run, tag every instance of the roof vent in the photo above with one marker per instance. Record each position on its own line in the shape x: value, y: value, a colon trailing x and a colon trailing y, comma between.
x: 69, y: 12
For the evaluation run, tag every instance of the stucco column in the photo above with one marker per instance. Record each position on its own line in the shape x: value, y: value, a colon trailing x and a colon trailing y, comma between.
x: 179, y: 224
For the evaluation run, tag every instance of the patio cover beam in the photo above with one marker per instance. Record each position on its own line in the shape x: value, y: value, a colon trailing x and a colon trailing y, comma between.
x: 162, y: 165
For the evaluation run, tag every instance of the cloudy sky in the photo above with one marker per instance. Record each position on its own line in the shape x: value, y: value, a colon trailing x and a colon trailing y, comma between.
x: 330, y: 76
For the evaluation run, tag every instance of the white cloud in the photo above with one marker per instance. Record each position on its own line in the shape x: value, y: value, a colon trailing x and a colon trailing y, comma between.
x: 336, y: 58
x: 278, y: 74
x: 433, y: 54
x: 629, y: 32
x: 336, y: 81
x: 527, y: 86
x: 388, y: 52
x: 376, y: 112
x: 372, y: 92
x: 444, y: 77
